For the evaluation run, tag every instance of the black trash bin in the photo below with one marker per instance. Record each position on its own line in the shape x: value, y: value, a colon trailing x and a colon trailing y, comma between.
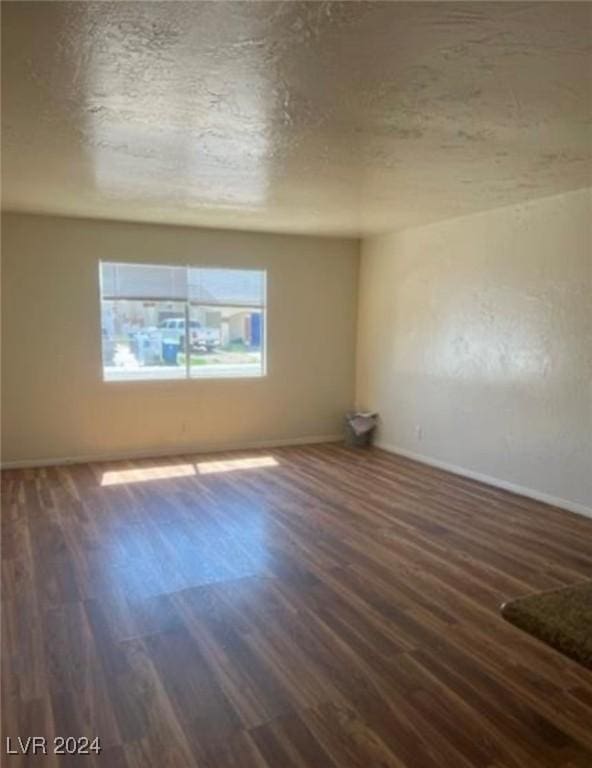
x: 359, y: 427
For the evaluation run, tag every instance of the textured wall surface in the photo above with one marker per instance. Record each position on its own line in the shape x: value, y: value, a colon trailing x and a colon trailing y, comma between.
x: 475, y: 343
x: 326, y: 117
x: 54, y: 402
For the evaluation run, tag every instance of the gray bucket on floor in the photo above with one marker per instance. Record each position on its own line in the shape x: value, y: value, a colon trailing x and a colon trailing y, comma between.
x: 359, y: 428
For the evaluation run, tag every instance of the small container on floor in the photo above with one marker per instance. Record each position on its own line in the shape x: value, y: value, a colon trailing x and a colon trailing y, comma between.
x: 359, y: 428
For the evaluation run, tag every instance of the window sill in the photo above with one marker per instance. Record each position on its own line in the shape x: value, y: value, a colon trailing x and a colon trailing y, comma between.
x: 169, y: 380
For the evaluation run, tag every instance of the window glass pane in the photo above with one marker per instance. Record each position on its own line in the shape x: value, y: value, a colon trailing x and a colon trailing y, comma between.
x: 143, y: 281
x: 227, y: 341
x: 143, y: 339
x: 144, y: 310
x: 227, y: 287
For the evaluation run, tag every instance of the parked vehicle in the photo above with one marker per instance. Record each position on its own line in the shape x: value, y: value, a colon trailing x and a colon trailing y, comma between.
x: 200, y: 338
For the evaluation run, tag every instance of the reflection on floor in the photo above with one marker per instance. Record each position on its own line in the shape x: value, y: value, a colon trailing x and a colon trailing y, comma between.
x: 320, y: 607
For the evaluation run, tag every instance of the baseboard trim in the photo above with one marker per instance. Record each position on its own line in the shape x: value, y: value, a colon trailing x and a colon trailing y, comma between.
x: 530, y: 493
x: 181, y: 450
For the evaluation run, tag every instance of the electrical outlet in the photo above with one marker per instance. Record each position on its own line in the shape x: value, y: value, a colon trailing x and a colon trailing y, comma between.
x: 419, y: 432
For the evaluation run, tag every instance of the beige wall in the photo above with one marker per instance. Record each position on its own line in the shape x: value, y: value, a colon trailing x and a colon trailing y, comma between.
x: 54, y: 402
x: 475, y: 344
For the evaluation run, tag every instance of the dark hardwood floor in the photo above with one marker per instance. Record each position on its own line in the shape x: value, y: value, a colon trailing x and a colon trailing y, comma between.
x: 311, y: 607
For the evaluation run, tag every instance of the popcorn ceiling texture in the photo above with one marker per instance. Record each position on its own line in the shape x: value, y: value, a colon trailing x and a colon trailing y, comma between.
x: 345, y: 118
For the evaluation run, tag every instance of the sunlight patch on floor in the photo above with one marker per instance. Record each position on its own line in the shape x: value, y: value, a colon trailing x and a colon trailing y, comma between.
x: 230, y: 465
x: 144, y: 474
x: 169, y: 471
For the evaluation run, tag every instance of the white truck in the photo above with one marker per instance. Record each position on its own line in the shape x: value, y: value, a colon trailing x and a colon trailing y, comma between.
x: 200, y: 337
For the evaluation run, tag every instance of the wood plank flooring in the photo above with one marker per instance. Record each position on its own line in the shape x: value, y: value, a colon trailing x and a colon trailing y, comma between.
x: 307, y: 607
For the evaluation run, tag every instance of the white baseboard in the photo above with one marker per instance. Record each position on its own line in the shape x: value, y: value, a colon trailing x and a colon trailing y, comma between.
x: 180, y: 450
x: 571, y: 506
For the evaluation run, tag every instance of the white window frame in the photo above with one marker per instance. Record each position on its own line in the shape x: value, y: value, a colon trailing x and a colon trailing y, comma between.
x: 187, y: 303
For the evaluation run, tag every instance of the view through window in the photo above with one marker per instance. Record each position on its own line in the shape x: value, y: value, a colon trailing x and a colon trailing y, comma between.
x: 162, y: 322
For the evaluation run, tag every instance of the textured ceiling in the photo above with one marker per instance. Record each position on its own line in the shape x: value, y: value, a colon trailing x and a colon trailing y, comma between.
x: 304, y: 117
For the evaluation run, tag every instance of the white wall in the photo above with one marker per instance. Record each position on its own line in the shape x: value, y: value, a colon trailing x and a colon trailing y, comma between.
x: 54, y: 402
x: 475, y: 344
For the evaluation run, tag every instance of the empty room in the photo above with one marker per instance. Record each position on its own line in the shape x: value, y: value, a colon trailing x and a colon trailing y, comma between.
x: 296, y: 384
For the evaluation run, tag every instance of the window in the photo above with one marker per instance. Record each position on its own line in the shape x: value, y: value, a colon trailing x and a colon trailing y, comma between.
x: 160, y: 322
